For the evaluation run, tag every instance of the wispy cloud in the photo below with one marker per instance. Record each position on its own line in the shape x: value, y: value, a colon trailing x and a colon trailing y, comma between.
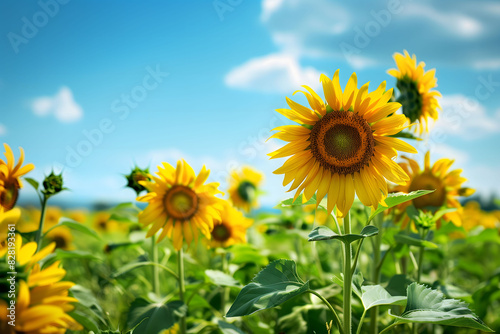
x: 3, y: 130
x: 276, y: 73
x: 62, y: 106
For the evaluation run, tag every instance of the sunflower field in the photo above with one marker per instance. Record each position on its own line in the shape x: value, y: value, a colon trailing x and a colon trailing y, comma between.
x: 371, y: 239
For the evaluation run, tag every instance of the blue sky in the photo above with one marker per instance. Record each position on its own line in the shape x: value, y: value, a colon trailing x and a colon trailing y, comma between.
x: 93, y: 87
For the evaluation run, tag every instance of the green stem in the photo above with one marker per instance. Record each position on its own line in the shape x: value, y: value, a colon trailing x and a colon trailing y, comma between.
x: 347, y: 278
x: 38, y: 236
x: 225, y: 289
x: 389, y: 327
x: 377, y: 267
x: 156, y: 272
x: 361, y: 322
x: 355, y: 262
x: 337, y: 319
x: 182, y: 290
x: 420, y: 262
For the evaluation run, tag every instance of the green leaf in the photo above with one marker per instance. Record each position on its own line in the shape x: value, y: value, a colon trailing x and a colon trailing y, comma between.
x: 34, y: 183
x: 414, y: 240
x: 430, y: 306
x: 298, y: 201
x: 74, y: 225
x: 274, y: 285
x: 155, y: 317
x: 375, y: 295
x: 75, y: 254
x: 131, y: 266
x: 404, y: 134
x: 227, y: 328
x: 324, y: 233
x: 248, y: 254
x: 85, y: 321
x: 217, y: 277
x: 396, y: 199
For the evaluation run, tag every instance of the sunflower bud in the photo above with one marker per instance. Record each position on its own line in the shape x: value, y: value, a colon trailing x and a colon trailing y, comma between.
x: 52, y: 184
x: 424, y: 220
x: 136, y: 175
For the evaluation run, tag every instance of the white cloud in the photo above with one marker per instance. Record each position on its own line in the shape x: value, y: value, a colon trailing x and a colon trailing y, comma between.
x: 62, y: 106
x: 465, y: 117
x: 272, y: 73
x: 3, y: 130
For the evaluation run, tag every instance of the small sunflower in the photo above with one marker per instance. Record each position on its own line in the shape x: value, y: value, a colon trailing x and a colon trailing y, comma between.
x: 243, y: 188
x: 447, y: 186
x: 414, y: 84
x: 104, y: 224
x: 181, y: 203
x: 10, y: 175
x: 52, y: 216
x: 343, y: 146
x: 231, y: 228
x: 62, y: 237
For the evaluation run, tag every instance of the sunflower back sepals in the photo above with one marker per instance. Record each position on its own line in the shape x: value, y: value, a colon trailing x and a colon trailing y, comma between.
x: 53, y: 184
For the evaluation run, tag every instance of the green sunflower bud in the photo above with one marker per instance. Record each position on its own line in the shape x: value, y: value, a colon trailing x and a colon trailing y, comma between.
x: 52, y: 184
x: 136, y: 175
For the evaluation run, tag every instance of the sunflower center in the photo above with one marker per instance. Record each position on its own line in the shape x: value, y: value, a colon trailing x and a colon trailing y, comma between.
x: 246, y: 190
x: 8, y: 197
x: 410, y: 98
x: 221, y: 232
x: 60, y: 241
x: 427, y: 181
x: 342, y: 142
x: 181, y: 202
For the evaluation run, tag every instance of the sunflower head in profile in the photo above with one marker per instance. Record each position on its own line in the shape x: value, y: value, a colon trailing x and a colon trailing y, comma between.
x: 342, y: 147
x: 415, y: 86
x: 10, y: 178
x: 135, y: 177
x: 180, y: 203
x: 447, y: 186
x: 244, y: 188
x: 231, y: 228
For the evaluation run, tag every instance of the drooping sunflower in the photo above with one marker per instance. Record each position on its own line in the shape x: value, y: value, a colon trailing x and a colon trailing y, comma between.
x: 243, y: 187
x: 231, y: 228
x: 447, y: 186
x: 10, y: 175
x: 180, y: 203
x: 342, y: 147
x: 415, y: 86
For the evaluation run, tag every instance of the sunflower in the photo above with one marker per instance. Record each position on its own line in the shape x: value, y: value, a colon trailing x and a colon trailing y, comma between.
x: 414, y: 84
x: 52, y: 216
x: 62, y: 237
x: 473, y: 216
x: 447, y: 187
x: 104, y: 224
x: 10, y: 181
x: 343, y: 146
x: 231, y: 228
x: 243, y: 188
x: 7, y: 220
x: 181, y: 203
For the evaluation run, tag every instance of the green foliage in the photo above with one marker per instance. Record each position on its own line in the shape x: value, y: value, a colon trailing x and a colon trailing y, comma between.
x: 324, y: 233
x: 151, y: 318
x: 425, y: 305
x: 274, y: 285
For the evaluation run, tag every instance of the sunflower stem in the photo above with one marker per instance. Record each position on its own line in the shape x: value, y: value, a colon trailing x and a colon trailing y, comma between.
x: 156, y: 271
x: 182, y: 290
x: 377, y: 267
x: 38, y: 236
x: 347, y: 277
x: 225, y: 289
x: 336, y: 317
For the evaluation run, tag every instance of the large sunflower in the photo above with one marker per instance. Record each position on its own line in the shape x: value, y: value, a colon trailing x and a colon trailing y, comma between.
x: 10, y: 181
x: 243, y: 188
x: 414, y: 84
x: 181, y: 203
x: 231, y: 228
x: 342, y: 147
x: 447, y: 186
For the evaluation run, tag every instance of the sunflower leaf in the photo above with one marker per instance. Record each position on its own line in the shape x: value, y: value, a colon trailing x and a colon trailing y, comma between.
x: 217, y: 277
x: 74, y: 225
x: 414, y: 240
x: 274, y: 285
x: 155, y: 317
x: 397, y: 198
x: 404, y: 134
x: 324, y: 233
x: 425, y: 305
x: 298, y: 201
x: 376, y: 295
x: 34, y: 183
